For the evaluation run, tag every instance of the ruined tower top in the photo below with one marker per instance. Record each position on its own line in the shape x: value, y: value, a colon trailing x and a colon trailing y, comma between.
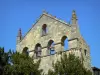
x: 74, y: 17
x: 19, y: 33
x: 19, y: 36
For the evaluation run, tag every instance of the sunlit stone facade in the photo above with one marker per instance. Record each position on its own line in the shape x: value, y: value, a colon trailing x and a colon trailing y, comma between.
x: 47, y: 28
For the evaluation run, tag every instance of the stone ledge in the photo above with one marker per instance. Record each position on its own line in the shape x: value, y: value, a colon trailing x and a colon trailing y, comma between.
x: 60, y: 52
x: 46, y: 46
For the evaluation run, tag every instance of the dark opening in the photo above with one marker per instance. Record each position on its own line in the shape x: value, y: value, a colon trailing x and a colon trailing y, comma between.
x: 25, y: 51
x: 51, y: 47
x: 64, y: 42
x: 38, y: 50
x: 44, y: 29
x: 85, y: 51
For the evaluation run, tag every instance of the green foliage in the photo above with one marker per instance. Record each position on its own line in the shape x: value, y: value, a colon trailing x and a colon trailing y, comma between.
x: 3, y: 59
x: 22, y: 65
x: 68, y: 65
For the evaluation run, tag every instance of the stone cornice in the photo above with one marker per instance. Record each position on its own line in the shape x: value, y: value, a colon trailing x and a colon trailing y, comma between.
x: 73, y: 39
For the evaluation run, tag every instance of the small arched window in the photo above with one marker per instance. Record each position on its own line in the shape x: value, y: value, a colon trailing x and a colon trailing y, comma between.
x: 38, y: 50
x: 85, y: 52
x: 51, y: 47
x: 44, y: 29
x: 25, y: 51
x: 64, y: 42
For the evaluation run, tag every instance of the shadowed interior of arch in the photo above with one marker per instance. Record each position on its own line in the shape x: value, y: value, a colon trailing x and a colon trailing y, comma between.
x: 51, y: 47
x: 38, y: 50
x: 25, y: 51
x: 64, y: 42
x: 44, y: 29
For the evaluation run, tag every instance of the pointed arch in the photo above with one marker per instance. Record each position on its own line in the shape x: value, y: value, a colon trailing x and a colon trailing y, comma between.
x: 38, y: 49
x: 51, y: 47
x: 64, y: 42
x: 25, y: 51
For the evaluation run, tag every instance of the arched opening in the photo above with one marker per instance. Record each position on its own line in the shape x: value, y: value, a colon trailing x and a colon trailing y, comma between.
x: 38, y: 50
x: 51, y: 47
x: 64, y: 42
x: 44, y: 29
x: 85, y: 52
x: 25, y: 51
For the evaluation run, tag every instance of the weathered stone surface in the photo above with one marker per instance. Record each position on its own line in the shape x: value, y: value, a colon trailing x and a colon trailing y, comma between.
x: 56, y: 29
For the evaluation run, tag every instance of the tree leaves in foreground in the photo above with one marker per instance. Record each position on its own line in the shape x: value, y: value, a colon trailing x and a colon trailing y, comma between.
x: 69, y: 65
x: 22, y: 64
x: 3, y: 59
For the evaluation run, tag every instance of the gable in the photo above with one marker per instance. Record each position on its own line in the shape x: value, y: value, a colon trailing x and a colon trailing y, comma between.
x: 56, y: 30
x: 47, y: 19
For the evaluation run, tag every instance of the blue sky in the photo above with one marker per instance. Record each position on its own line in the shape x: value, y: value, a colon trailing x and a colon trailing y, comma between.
x: 15, y: 14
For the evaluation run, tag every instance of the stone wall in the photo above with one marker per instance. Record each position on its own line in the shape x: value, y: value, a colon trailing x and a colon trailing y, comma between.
x: 56, y: 29
x: 46, y: 61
